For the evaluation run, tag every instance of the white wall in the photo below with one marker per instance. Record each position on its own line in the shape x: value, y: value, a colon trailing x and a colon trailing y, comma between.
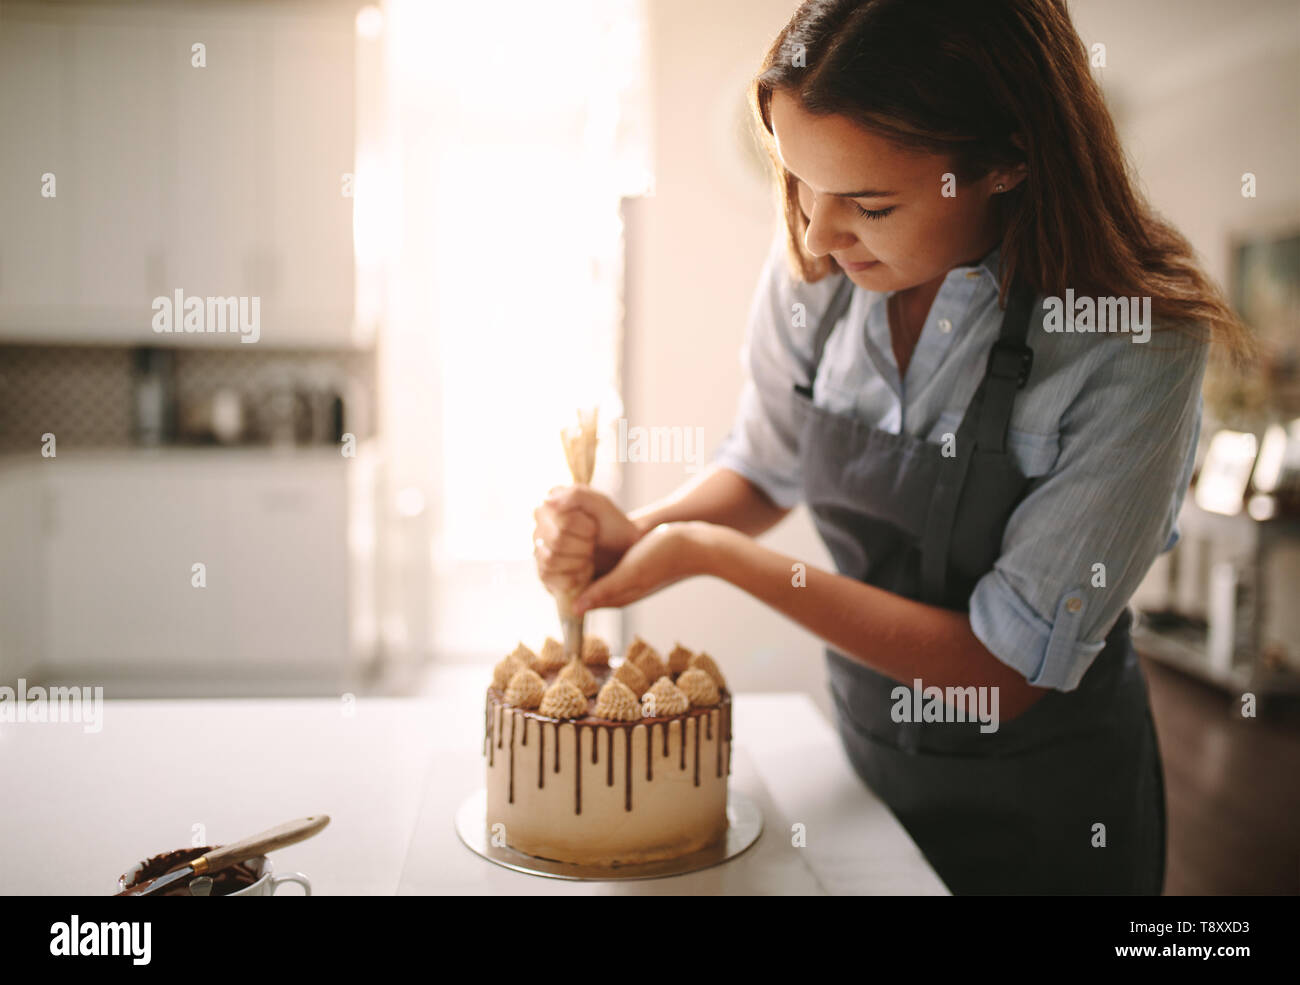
x: 1203, y: 91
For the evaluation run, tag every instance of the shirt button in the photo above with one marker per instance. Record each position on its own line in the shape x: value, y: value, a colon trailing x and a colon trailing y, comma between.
x: 945, y: 325
x: 1073, y: 604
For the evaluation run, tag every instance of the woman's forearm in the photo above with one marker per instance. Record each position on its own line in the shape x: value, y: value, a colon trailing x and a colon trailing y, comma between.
x: 717, y: 495
x: 894, y: 636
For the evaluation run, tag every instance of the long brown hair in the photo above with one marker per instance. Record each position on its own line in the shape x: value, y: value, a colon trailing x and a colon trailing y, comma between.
x: 995, y: 83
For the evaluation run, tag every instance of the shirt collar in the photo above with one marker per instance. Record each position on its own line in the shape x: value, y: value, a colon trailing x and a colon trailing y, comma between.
x: 987, y: 268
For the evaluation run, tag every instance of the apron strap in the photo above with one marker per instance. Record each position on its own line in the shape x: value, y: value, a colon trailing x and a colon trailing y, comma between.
x: 984, y: 426
x: 1010, y: 361
x: 834, y: 311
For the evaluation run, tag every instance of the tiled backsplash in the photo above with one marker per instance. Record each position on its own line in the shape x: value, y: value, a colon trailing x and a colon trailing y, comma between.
x: 85, y: 395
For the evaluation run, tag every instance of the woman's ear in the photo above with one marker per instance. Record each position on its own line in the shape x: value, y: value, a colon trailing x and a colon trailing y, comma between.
x: 1001, y: 180
x: 1010, y: 177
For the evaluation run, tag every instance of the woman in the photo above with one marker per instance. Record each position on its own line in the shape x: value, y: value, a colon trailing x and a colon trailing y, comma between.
x: 992, y: 479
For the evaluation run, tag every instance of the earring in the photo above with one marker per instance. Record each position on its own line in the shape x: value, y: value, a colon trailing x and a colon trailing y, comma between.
x: 999, y: 187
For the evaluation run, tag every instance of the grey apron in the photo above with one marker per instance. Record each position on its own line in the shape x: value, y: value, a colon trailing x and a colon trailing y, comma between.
x: 1011, y: 811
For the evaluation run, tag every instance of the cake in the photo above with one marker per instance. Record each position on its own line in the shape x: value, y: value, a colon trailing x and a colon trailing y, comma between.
x: 606, y: 762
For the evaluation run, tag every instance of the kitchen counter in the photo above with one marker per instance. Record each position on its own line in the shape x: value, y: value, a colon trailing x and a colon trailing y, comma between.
x: 390, y: 772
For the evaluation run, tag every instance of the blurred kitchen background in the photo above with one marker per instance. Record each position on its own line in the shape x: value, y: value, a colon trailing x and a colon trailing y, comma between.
x: 461, y: 223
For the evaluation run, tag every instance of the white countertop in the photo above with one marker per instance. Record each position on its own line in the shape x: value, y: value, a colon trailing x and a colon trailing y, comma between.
x: 82, y: 807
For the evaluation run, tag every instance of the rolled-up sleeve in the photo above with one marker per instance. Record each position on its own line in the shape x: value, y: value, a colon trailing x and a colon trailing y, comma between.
x: 1078, y: 544
x: 763, y: 443
x: 757, y: 449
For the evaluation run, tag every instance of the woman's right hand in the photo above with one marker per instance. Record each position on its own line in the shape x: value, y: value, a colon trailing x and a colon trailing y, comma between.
x: 579, y: 535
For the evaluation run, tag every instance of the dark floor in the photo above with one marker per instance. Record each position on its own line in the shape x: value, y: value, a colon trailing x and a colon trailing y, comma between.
x: 1232, y: 786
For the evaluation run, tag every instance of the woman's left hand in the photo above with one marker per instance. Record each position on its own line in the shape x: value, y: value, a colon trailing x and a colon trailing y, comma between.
x: 666, y: 554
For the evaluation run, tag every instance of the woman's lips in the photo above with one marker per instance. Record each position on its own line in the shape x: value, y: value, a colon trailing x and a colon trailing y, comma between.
x: 853, y: 268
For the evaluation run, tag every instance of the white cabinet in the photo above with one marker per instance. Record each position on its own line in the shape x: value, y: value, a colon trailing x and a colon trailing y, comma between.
x: 311, y: 147
x: 22, y: 572
x: 110, y: 570
x: 36, y: 231
x: 218, y: 180
x: 215, y: 167
x: 114, y: 183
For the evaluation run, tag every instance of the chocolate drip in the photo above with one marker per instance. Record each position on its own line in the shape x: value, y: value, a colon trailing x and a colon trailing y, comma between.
x: 494, y: 728
x: 627, y: 769
x: 609, y: 754
x: 577, y: 769
x: 722, y: 714
x: 726, y: 713
x: 649, y: 753
x: 697, y: 750
x: 513, y: 718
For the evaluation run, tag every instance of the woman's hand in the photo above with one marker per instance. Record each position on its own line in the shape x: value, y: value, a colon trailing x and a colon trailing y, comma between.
x: 579, y: 534
x: 666, y: 554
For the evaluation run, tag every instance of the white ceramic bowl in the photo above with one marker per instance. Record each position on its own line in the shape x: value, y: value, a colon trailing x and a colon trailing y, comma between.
x: 266, y: 885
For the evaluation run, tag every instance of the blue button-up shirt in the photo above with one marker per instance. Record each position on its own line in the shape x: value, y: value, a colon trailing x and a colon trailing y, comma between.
x: 1107, y: 427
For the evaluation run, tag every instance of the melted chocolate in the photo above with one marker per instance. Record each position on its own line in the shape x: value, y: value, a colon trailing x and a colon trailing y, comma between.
x: 649, y: 759
x: 227, y: 881
x: 512, y: 717
x: 577, y: 769
x: 726, y: 714
x: 609, y: 755
x: 697, y: 751
x: 627, y: 769
x: 718, y: 751
x: 512, y: 757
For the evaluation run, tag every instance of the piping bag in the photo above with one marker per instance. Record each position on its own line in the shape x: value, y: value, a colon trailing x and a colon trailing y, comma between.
x: 580, y: 450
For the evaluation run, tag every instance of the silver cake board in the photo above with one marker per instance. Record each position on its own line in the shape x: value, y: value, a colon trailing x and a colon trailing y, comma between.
x: 744, y: 825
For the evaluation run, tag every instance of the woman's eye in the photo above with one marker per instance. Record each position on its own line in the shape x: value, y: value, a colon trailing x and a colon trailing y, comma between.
x: 873, y: 213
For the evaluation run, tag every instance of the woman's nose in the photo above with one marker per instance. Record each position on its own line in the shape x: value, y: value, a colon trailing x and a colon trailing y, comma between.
x: 823, y: 234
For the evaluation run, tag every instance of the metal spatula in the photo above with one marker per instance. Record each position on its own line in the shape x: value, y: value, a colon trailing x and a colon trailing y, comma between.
x: 289, y: 833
